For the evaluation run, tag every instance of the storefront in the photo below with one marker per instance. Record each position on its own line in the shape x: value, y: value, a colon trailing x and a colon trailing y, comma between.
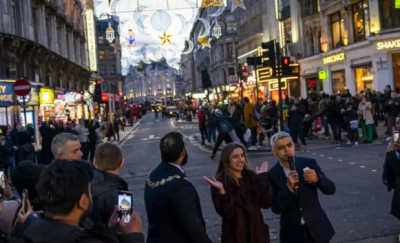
x: 46, y: 100
x: 68, y: 106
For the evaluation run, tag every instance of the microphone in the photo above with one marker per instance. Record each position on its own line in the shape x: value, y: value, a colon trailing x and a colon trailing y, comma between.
x: 292, y: 166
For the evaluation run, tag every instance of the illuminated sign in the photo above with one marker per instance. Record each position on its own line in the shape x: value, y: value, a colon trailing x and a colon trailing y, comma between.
x: 334, y: 58
x: 381, y: 45
x: 322, y: 75
x: 46, y: 96
x: 6, y: 94
x: 105, y: 97
x: 397, y: 3
x: 275, y: 86
x: 91, y: 38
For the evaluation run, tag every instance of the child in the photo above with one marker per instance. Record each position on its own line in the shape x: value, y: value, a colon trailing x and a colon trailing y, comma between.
x: 351, y: 117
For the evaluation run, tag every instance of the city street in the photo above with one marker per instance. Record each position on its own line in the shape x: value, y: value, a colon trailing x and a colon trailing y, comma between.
x: 359, y: 211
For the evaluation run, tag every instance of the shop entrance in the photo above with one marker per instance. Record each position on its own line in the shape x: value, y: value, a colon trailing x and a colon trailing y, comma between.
x: 364, y: 78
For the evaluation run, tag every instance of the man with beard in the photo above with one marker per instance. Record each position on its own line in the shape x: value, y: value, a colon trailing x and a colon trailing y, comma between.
x: 64, y: 192
x: 172, y: 203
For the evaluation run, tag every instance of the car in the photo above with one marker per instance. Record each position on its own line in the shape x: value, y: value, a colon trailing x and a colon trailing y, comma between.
x: 172, y: 111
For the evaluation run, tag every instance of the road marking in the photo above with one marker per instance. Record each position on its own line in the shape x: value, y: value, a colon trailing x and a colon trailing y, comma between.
x: 330, y: 158
x: 314, y: 153
x: 352, y: 163
x: 151, y: 136
x: 321, y: 155
x: 362, y: 166
x: 308, y: 151
x: 338, y: 147
x: 373, y: 170
x: 340, y: 160
x: 130, y: 136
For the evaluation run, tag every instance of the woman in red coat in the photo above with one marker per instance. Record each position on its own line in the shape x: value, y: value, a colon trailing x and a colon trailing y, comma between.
x: 238, y: 193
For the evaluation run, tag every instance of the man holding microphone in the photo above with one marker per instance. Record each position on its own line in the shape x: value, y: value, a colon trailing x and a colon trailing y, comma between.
x: 295, y: 182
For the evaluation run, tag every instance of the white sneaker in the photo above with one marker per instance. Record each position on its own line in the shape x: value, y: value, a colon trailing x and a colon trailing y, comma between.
x: 252, y: 148
x: 356, y: 143
x: 348, y: 142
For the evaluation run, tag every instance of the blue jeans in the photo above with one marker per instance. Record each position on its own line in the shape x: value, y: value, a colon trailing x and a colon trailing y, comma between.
x: 326, y: 127
x: 12, y: 163
x: 212, y: 134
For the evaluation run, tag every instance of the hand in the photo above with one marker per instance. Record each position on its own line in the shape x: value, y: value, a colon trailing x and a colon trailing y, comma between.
x: 293, y: 178
x: 113, y: 222
x: 263, y: 169
x: 7, y: 190
x: 216, y: 184
x: 311, y: 176
x: 134, y: 225
x: 390, y: 102
x: 21, y: 216
x: 391, y: 146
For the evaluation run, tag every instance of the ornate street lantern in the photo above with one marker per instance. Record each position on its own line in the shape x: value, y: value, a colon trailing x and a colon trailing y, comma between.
x: 217, y: 31
x: 110, y: 33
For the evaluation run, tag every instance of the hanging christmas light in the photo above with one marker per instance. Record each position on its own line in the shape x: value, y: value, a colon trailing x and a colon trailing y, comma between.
x: 217, y: 30
x: 110, y: 33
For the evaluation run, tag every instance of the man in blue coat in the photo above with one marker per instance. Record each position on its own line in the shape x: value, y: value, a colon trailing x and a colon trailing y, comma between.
x: 302, y: 218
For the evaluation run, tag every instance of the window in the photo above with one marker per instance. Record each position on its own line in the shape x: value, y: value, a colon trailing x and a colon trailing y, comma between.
x: 103, y: 70
x: 309, y: 7
x: 111, y: 54
x: 102, y: 55
x: 231, y: 71
x: 231, y: 27
x: 338, y: 82
x: 104, y: 86
x: 390, y: 16
x: 230, y: 50
x: 361, y: 21
x: 49, y: 33
x: 338, y: 30
x: 101, y: 39
x: 287, y: 28
x: 364, y: 78
x: 111, y: 69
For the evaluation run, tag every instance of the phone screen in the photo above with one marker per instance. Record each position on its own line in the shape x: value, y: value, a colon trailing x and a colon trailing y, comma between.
x: 2, y: 179
x: 396, y: 137
x: 24, y: 200
x: 124, y: 206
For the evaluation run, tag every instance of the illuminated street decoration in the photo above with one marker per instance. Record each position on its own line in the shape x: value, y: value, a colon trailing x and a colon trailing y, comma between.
x: 237, y: 3
x: 130, y: 38
x: 217, y: 31
x: 110, y: 33
x: 205, y: 42
x: 165, y: 38
x: 91, y: 40
x: 212, y: 3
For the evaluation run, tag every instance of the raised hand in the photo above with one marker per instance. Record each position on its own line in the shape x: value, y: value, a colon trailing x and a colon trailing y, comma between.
x: 263, y: 168
x: 214, y: 183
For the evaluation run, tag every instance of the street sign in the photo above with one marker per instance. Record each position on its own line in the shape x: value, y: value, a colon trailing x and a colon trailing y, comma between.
x: 22, y: 87
x: 21, y: 98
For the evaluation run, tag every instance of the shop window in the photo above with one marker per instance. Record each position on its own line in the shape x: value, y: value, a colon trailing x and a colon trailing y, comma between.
x: 111, y: 69
x: 364, y: 78
x: 338, y: 31
x: 102, y: 55
x: 231, y: 27
x: 338, y: 82
x: 389, y: 14
x: 361, y: 20
x: 396, y: 69
x: 101, y: 40
x: 103, y: 70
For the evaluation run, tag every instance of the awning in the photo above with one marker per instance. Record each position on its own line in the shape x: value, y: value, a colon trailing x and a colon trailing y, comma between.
x: 364, y: 64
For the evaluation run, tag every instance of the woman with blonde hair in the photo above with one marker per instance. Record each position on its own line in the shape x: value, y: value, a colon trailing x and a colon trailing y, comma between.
x: 366, y: 119
x: 238, y: 194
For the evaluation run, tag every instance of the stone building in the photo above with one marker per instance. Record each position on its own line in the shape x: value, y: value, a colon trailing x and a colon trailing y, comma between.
x: 45, y: 42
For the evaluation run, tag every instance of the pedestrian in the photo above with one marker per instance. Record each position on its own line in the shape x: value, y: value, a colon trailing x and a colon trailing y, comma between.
x: 202, y: 125
x: 94, y: 137
x: 6, y: 152
x: 391, y: 172
x: 238, y: 193
x: 48, y: 133
x: 392, y: 108
x: 106, y: 182
x: 251, y: 122
x: 172, y: 202
x: 333, y: 117
x: 322, y: 109
x: 64, y: 191
x: 302, y: 218
x: 109, y: 129
x: 156, y: 112
x: 237, y: 122
x: 9, y: 206
x: 212, y: 123
x: 366, y: 119
x: 116, y: 126
x: 351, y: 116
x: 296, y: 113
x: 6, y: 131
x: 83, y: 133
x: 71, y: 129
x: 223, y: 127
x: 26, y: 149
x: 66, y: 146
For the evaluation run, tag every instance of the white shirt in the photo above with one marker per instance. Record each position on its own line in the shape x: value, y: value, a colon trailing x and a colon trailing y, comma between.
x: 177, y: 166
x: 287, y: 171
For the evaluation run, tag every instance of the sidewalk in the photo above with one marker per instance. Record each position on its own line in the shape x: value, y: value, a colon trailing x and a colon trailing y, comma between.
x: 126, y: 133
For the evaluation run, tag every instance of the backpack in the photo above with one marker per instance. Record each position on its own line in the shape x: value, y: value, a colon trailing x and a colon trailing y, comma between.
x: 256, y: 115
x: 224, y: 127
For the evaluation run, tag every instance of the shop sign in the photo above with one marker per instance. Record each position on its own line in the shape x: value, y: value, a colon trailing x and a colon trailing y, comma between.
x: 6, y: 94
x: 390, y: 44
x: 397, y: 4
x: 275, y: 86
x: 334, y: 58
x: 116, y: 98
x: 32, y: 98
x: 91, y: 40
x: 46, y: 96
x: 70, y: 97
x: 105, y: 97
x: 322, y: 75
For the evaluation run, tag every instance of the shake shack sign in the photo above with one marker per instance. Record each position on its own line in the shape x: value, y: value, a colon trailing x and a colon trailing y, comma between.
x: 388, y: 44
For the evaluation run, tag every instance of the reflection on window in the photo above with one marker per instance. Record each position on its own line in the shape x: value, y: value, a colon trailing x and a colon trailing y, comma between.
x: 390, y: 16
x: 103, y: 70
x: 339, y: 37
x: 361, y: 21
x: 102, y: 55
x: 231, y: 27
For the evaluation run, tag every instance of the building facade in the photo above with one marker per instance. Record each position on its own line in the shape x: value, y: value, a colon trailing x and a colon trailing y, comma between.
x: 350, y: 45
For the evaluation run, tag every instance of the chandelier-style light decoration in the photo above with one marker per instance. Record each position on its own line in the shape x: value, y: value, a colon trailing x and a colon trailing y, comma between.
x: 217, y: 30
x: 110, y: 33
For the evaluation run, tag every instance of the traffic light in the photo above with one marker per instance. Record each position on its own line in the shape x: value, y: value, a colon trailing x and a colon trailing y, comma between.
x: 285, y: 66
x: 268, y: 54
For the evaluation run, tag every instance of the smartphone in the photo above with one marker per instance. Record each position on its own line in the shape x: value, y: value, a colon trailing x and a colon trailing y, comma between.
x: 24, y: 201
x: 124, y: 206
x: 2, y: 178
x: 396, y: 137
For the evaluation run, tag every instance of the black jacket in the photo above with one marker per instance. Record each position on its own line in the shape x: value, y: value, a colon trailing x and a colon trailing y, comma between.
x: 37, y: 229
x: 305, y: 203
x: 237, y: 118
x: 392, y: 110
x: 391, y: 173
x: 333, y: 112
x: 173, y: 207
x: 297, y: 116
x: 105, y: 188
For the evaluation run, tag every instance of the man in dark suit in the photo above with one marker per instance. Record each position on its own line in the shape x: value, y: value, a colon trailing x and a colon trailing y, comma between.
x: 302, y: 218
x: 391, y: 172
x: 172, y: 203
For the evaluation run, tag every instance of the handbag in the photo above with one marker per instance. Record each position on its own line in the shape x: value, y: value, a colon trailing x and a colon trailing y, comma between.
x: 354, y: 125
x: 26, y: 148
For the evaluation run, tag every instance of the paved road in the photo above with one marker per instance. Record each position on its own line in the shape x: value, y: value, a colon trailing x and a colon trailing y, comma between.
x: 359, y: 211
